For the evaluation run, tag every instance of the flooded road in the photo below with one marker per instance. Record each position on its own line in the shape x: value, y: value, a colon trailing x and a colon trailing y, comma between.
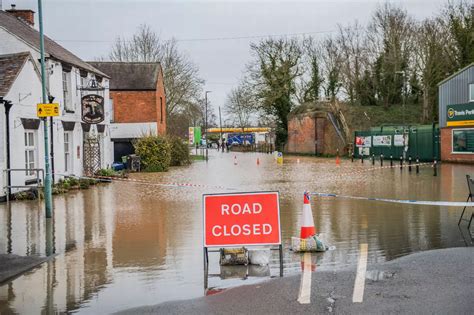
x: 129, y: 244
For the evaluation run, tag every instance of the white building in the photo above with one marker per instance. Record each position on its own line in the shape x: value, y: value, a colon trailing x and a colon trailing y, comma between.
x: 78, y: 147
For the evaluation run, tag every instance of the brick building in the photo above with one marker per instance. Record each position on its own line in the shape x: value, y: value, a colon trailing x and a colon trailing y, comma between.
x: 313, y: 129
x: 456, y: 116
x: 139, y: 104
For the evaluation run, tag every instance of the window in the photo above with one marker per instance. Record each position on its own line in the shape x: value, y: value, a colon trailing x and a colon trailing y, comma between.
x: 84, y: 82
x: 30, y: 152
x: 112, y: 115
x: 161, y: 109
x: 471, y: 92
x: 67, y: 151
x: 463, y: 140
x: 66, y: 91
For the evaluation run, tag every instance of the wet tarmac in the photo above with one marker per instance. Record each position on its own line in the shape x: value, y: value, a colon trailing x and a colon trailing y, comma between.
x: 125, y: 244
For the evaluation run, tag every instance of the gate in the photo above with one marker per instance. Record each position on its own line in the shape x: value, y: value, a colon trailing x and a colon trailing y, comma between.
x: 423, y: 141
x: 91, y: 156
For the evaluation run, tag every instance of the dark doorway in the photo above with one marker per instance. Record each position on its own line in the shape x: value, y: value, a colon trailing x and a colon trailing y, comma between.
x: 122, y: 148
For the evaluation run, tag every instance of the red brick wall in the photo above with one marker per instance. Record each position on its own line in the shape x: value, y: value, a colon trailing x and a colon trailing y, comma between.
x: 134, y: 106
x: 304, y: 131
x: 301, y: 132
x: 140, y: 106
x: 447, y: 146
x: 27, y: 16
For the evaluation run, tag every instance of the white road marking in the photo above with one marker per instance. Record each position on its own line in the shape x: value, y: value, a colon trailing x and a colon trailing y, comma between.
x: 304, y: 297
x: 359, y: 284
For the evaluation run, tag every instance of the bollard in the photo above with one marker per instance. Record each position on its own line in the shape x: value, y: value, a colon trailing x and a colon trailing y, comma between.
x: 362, y: 158
x: 381, y: 160
x: 352, y: 157
x: 401, y: 162
x: 417, y: 165
x: 391, y: 160
x: 373, y: 159
x: 435, y: 169
x: 409, y: 163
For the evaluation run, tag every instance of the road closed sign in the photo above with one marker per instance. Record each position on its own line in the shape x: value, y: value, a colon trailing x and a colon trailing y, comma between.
x: 239, y: 219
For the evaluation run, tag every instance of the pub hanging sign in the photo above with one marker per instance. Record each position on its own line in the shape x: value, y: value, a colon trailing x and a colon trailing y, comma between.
x: 92, y: 108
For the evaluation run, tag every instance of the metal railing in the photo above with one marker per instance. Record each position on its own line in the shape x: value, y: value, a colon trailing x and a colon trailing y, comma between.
x: 38, y: 182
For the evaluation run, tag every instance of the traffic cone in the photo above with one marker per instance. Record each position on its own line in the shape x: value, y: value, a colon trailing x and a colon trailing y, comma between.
x: 307, y: 226
x: 235, y: 159
x: 338, y: 162
x: 297, y: 161
x: 258, y: 161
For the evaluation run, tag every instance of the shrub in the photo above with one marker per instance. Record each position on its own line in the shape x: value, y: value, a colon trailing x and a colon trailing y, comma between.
x: 179, y: 151
x: 154, y: 152
x: 84, y: 183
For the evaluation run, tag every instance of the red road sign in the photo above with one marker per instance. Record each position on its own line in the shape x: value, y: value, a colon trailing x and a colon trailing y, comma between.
x: 241, y: 219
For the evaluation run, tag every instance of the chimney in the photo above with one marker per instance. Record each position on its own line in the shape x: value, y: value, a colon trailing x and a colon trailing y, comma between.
x: 26, y: 16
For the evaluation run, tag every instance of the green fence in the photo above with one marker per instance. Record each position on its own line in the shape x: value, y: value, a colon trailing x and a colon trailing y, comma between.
x: 420, y: 141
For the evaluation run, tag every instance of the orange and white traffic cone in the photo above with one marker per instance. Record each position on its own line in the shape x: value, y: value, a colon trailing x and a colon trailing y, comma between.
x: 235, y: 159
x: 258, y: 161
x: 338, y: 161
x: 307, y: 225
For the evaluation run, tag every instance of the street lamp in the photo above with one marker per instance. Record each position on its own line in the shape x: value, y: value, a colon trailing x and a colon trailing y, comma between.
x: 205, y: 127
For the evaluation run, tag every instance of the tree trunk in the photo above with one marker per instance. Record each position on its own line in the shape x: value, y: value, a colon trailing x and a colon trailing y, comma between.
x: 426, y: 105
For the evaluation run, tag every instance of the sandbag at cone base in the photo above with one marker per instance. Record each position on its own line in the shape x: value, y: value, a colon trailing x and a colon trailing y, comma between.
x: 307, y: 224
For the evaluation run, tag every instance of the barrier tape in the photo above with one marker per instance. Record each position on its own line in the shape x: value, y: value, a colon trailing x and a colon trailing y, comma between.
x: 413, y: 202
x: 138, y: 181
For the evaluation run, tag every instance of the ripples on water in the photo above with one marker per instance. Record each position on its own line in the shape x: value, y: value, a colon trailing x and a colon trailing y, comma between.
x: 123, y: 245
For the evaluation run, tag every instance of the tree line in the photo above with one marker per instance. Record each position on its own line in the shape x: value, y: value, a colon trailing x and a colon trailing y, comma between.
x: 393, y: 60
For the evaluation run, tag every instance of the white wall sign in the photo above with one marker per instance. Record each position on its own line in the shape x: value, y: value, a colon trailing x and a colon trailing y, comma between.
x: 382, y: 141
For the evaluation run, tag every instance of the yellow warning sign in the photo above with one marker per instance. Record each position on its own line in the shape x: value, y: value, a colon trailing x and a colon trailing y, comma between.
x: 47, y: 110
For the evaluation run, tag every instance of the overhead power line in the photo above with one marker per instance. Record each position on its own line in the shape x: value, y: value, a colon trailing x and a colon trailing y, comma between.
x: 206, y: 39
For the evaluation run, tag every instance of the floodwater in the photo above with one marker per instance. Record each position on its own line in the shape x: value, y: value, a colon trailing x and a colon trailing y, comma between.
x: 125, y: 244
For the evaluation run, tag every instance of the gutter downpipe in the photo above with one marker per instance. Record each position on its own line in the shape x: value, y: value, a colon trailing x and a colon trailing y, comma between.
x: 8, y: 105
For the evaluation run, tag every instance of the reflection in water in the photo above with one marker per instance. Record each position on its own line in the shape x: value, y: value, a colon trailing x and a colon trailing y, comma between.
x: 123, y: 245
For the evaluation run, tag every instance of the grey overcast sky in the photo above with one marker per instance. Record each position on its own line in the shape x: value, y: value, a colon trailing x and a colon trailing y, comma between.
x: 88, y: 27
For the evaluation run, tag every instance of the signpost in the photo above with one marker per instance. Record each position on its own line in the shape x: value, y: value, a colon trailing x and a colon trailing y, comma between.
x: 47, y: 110
x: 241, y: 219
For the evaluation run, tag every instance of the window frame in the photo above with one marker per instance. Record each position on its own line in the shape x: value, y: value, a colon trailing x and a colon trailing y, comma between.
x: 30, y: 152
x: 68, y: 164
x: 67, y: 93
x: 452, y: 140
x: 161, y: 109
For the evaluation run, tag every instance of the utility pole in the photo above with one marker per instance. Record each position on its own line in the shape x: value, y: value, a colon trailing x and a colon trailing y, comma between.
x: 205, y: 127
x: 220, y: 121
x: 47, y: 181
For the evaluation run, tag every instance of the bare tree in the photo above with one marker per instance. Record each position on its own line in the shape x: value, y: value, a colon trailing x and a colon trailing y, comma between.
x: 352, y: 43
x: 182, y: 83
x: 390, y: 42
x: 241, y: 105
x: 332, y: 61
x: 430, y: 62
x: 309, y: 85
